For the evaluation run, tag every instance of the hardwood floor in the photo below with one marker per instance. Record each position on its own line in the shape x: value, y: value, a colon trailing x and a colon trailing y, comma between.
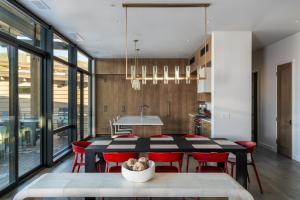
x: 280, y: 177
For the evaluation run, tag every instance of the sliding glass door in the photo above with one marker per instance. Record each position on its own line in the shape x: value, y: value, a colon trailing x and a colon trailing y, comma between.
x: 20, y: 115
x: 7, y: 148
x: 29, y: 136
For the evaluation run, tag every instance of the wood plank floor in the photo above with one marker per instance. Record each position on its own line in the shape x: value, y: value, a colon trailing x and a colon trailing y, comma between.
x: 280, y: 177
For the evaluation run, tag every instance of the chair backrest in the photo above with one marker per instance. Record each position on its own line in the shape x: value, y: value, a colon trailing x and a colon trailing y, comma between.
x: 79, y: 146
x: 165, y: 157
x: 112, y: 131
x: 211, y: 157
x: 193, y: 136
x: 119, y: 156
x: 249, y: 145
x: 160, y: 136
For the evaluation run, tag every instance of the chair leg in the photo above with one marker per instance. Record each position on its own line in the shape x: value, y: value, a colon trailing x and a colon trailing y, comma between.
x: 81, y: 161
x: 74, y: 163
x: 187, y: 162
x: 257, y: 177
x: 232, y: 168
x: 248, y: 177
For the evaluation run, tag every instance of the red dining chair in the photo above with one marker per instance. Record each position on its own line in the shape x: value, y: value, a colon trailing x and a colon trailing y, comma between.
x: 169, y: 157
x: 188, y: 155
x: 203, y: 158
x: 79, y: 150
x: 250, y: 146
x: 117, y: 157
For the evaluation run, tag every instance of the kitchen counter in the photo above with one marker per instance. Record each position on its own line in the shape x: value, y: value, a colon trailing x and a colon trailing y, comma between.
x: 142, y: 126
x: 135, y: 120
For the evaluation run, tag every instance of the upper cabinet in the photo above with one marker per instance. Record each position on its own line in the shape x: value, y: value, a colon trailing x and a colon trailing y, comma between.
x: 204, y: 86
x: 201, y: 56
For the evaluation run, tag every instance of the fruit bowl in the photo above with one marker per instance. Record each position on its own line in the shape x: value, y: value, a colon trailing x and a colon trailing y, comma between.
x: 139, y: 176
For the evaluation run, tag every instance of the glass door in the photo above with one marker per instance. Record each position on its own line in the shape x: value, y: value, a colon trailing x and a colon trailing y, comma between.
x: 79, y: 107
x: 29, y: 87
x: 7, y: 147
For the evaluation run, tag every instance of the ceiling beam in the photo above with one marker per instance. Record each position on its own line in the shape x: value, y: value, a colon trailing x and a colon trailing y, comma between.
x: 165, y: 5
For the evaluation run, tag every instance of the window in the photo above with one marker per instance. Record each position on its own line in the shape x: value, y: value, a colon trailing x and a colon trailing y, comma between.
x: 78, y: 106
x: 29, y: 151
x: 86, y: 110
x: 60, y: 116
x: 6, y: 150
x: 19, y: 25
x: 60, y: 48
x: 82, y: 61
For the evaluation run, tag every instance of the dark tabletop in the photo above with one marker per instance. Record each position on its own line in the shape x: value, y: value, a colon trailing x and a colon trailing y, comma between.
x: 143, y: 145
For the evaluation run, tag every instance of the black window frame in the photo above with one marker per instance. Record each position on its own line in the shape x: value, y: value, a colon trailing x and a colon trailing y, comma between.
x: 45, y: 51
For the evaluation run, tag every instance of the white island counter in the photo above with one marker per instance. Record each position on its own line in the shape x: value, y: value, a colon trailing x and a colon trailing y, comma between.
x: 143, y: 126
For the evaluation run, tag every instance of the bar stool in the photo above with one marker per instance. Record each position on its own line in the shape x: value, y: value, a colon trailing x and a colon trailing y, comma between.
x: 114, y: 132
x: 250, y: 146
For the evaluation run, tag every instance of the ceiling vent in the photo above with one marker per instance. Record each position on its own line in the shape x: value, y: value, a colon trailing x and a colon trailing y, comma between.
x: 76, y: 37
x: 40, y: 4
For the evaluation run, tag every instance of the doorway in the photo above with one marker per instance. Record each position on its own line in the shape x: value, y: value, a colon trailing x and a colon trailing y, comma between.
x: 284, y: 109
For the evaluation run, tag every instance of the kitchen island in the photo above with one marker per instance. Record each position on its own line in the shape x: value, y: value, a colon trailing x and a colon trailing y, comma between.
x: 143, y: 126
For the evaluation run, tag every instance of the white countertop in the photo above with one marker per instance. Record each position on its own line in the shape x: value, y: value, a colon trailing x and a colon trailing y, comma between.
x: 136, y: 120
x: 114, y: 185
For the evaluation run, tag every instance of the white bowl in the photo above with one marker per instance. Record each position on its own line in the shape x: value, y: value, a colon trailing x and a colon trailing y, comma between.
x: 139, y: 176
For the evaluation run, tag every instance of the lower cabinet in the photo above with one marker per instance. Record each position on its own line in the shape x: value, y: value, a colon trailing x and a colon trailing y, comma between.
x: 206, y: 128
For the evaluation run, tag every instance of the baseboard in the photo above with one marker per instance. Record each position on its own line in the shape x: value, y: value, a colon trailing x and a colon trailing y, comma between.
x: 266, y: 146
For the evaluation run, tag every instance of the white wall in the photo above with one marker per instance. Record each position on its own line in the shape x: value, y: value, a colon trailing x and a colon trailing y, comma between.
x: 231, y: 85
x: 283, y: 51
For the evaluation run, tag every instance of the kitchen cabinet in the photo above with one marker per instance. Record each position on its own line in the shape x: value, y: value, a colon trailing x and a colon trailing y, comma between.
x: 171, y: 102
x: 206, y: 128
x: 201, y: 56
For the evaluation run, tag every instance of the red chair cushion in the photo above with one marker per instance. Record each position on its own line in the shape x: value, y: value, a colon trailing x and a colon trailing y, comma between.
x: 114, y: 169
x: 166, y: 169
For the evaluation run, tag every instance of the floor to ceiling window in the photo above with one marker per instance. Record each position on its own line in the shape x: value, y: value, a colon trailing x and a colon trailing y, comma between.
x: 38, y: 100
x: 7, y: 170
x: 60, y: 116
x: 83, y: 95
x: 29, y: 87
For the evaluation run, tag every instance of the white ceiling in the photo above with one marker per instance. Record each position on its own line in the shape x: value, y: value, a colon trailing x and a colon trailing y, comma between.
x: 168, y: 32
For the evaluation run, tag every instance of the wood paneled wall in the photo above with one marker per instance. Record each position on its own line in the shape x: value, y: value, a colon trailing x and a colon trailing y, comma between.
x: 115, y: 96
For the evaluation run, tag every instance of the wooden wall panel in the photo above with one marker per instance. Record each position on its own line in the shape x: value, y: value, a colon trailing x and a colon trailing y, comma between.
x: 114, y: 96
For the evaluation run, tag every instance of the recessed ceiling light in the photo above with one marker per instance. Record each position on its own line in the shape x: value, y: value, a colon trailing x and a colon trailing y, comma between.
x: 40, y: 4
x: 112, y: 5
x: 297, y: 21
x: 187, y: 41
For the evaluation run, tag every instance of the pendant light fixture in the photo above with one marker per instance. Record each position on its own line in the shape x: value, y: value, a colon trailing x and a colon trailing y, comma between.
x: 136, y: 79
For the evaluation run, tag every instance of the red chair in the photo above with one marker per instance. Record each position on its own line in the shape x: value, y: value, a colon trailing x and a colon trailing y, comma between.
x: 169, y: 158
x: 250, y: 146
x: 117, y: 157
x: 79, y: 150
x: 188, y: 155
x: 204, y: 158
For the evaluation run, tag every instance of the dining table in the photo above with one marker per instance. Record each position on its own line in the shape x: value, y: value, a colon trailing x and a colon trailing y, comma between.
x: 173, y: 144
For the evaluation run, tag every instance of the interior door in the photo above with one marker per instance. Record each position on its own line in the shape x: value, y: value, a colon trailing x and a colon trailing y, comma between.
x: 284, y: 109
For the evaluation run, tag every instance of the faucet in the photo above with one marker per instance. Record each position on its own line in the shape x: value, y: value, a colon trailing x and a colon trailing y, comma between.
x: 142, y: 107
